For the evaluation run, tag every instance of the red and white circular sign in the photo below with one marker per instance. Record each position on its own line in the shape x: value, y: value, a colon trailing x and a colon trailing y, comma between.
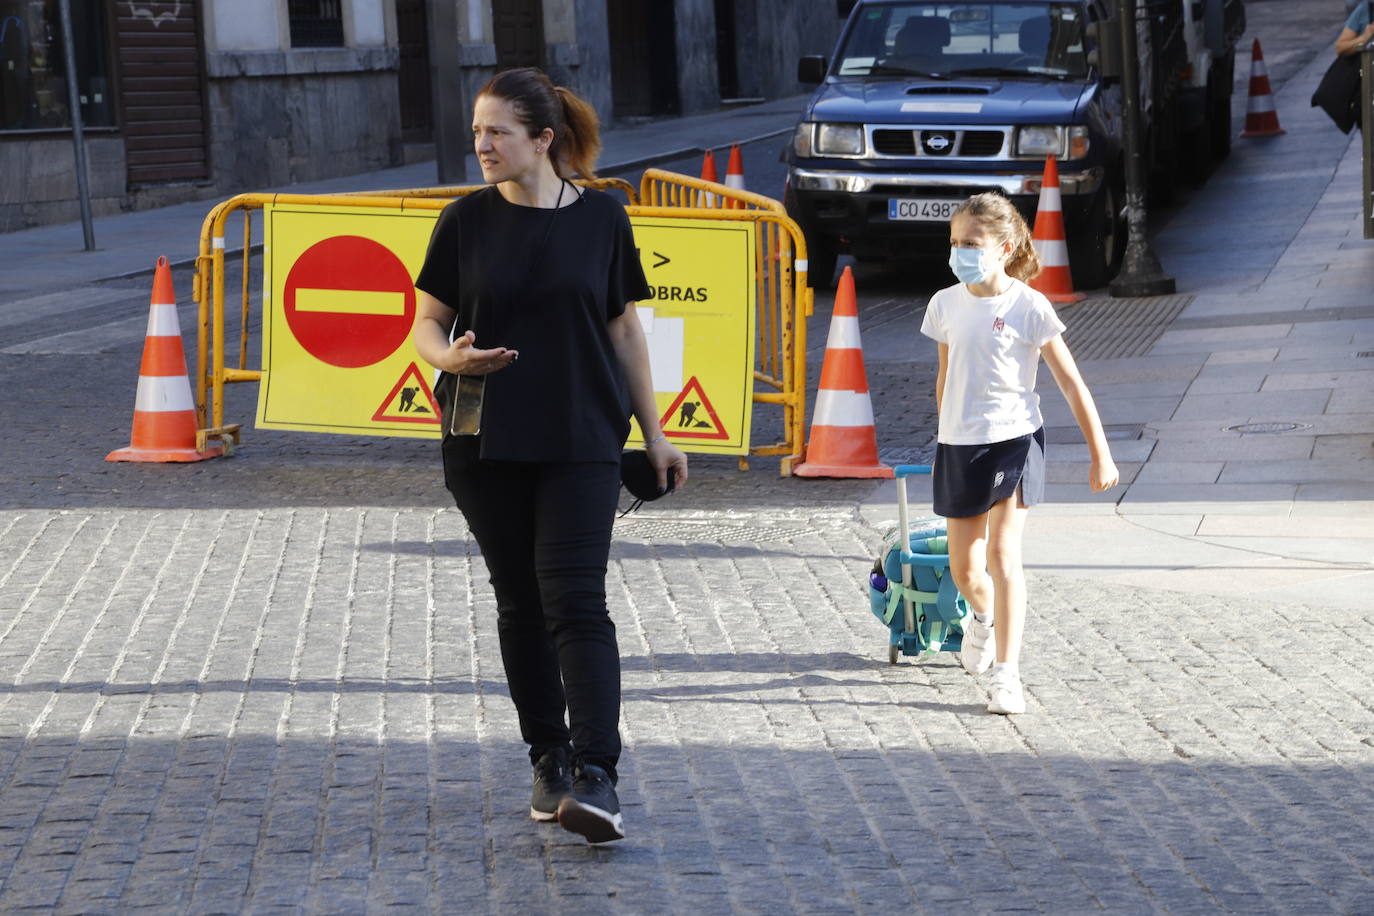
x: 349, y: 301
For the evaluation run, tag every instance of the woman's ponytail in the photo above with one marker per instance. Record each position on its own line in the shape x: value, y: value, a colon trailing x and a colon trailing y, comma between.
x: 576, y: 147
x: 540, y: 106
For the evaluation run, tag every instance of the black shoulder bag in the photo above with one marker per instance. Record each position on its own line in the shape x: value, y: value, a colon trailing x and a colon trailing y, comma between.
x: 1339, y: 91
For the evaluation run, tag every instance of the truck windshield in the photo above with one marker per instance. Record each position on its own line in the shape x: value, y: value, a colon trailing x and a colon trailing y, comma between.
x: 969, y: 39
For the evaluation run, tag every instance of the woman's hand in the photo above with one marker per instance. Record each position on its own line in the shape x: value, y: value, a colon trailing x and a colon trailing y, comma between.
x: 1103, y: 475
x: 663, y: 455
x: 463, y: 358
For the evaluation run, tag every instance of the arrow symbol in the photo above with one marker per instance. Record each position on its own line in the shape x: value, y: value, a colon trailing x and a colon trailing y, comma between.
x: 664, y: 259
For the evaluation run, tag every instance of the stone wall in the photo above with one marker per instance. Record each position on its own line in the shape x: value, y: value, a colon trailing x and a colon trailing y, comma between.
x: 39, y: 185
x: 282, y: 117
x: 772, y: 34
x: 698, y: 83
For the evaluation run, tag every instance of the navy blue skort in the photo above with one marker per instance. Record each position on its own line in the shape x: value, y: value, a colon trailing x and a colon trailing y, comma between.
x: 968, y: 479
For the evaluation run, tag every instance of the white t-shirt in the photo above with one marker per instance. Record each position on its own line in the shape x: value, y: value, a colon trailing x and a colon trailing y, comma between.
x: 994, y: 351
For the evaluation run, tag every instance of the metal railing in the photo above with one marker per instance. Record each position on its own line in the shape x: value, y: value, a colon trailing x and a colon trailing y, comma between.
x: 783, y: 298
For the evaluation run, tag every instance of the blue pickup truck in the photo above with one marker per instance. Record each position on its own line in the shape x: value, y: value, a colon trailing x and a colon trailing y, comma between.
x: 925, y: 103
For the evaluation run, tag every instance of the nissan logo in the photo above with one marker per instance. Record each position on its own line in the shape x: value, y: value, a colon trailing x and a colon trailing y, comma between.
x: 938, y: 142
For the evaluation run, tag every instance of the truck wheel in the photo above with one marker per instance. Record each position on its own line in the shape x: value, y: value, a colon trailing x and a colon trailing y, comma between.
x: 822, y: 253
x: 1197, y: 146
x: 1095, y: 256
x: 1220, y: 123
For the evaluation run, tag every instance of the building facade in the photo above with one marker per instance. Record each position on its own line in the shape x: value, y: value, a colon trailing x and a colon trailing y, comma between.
x: 196, y: 99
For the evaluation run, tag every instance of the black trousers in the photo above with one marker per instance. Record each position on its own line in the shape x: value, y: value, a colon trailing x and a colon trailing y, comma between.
x: 545, y: 533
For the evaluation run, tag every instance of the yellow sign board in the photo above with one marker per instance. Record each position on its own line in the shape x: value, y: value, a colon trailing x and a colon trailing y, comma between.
x: 700, y: 328
x: 339, y: 304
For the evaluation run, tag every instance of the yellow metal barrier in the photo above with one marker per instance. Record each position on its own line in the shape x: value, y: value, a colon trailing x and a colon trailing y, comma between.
x: 784, y: 300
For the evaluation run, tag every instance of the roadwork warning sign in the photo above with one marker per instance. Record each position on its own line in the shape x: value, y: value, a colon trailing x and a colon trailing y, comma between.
x: 700, y: 328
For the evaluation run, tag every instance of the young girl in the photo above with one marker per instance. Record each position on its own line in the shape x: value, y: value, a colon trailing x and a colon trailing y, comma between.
x: 990, y: 455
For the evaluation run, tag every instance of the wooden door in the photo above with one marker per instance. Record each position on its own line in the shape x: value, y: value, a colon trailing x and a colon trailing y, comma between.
x: 161, y: 90
x: 413, y: 79
x: 519, y: 30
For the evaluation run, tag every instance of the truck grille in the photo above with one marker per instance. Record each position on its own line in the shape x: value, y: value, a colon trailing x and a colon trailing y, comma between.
x: 937, y: 142
x: 981, y: 143
x: 894, y: 142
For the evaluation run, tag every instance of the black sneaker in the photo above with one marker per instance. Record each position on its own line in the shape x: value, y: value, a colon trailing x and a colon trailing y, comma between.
x: 592, y: 809
x: 552, y: 783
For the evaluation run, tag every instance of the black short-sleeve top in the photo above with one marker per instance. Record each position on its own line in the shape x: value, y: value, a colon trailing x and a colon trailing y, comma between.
x: 545, y: 282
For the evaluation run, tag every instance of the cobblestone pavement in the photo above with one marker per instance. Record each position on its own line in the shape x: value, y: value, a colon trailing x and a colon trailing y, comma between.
x: 303, y: 707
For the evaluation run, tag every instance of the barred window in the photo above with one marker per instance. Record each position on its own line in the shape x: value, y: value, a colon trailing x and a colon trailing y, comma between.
x: 316, y: 23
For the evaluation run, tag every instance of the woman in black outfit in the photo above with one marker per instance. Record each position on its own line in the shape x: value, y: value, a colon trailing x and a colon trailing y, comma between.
x: 527, y: 293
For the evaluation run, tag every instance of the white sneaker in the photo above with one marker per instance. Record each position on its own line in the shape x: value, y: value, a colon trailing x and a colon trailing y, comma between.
x: 978, y: 647
x: 1005, y: 696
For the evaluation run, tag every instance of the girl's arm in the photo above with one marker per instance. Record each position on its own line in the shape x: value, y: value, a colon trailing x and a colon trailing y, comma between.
x: 1103, y: 474
x: 627, y: 336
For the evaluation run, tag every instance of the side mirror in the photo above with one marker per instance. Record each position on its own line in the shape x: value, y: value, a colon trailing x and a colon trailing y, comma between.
x: 845, y: 7
x: 1104, y: 37
x: 811, y: 69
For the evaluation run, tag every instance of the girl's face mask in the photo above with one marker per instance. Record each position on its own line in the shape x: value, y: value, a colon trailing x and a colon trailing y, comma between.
x: 973, y: 265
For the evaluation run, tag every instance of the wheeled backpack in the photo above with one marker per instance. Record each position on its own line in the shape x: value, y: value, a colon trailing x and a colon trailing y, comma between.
x: 910, y: 587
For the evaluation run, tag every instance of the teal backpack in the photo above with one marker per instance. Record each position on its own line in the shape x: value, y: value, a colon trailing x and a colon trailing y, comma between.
x: 912, y: 591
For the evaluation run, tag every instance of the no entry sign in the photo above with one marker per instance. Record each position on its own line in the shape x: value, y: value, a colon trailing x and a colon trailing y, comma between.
x: 339, y: 305
x: 349, y: 301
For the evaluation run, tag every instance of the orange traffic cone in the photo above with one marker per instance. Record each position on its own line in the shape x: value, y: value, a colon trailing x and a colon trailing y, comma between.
x: 708, y: 173
x: 1050, y: 243
x: 734, y: 173
x: 1261, y: 120
x: 164, y: 411
x: 844, y: 442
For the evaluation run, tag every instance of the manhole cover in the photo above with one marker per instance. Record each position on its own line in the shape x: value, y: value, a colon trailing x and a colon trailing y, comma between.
x: 1268, y: 427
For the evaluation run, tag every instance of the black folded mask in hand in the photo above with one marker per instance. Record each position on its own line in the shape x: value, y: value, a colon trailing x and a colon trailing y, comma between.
x: 639, y: 477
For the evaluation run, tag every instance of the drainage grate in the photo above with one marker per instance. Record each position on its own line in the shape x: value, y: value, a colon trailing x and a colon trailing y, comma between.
x: 659, y: 529
x: 1118, y: 328
x: 1364, y: 354
x: 1267, y: 428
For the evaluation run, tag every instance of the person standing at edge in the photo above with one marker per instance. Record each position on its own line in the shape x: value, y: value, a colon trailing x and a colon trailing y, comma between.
x: 989, y: 470
x: 526, y: 303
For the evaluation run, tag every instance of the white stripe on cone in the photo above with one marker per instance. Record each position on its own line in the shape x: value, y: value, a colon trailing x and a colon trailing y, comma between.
x: 734, y: 181
x: 1052, y: 252
x: 163, y: 394
x: 842, y: 408
x: 844, y: 333
x: 1260, y: 104
x: 162, y: 321
x: 1050, y: 201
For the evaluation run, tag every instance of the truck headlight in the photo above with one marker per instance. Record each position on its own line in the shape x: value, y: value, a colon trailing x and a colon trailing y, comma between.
x: 801, y: 140
x: 1038, y: 141
x: 840, y: 139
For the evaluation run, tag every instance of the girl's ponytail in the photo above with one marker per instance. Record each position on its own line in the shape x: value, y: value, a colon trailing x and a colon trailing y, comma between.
x: 1024, y: 262
x: 576, y: 147
x: 1000, y: 219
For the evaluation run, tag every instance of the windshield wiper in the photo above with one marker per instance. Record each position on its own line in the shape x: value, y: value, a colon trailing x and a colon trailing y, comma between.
x: 1007, y: 71
x: 894, y: 70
